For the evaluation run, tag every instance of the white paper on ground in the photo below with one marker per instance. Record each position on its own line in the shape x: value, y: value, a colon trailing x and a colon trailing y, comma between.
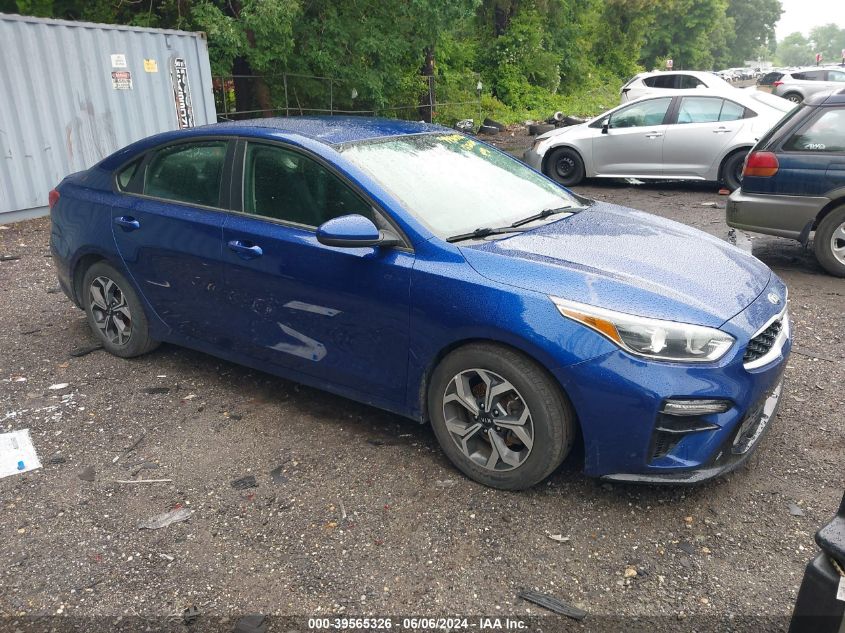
x: 840, y: 594
x: 16, y: 447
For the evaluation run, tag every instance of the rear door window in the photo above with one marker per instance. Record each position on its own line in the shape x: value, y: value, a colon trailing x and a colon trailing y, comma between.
x: 825, y: 134
x: 769, y: 78
x: 701, y: 110
x: 187, y: 172
x: 686, y: 82
x: 809, y: 75
x: 660, y: 81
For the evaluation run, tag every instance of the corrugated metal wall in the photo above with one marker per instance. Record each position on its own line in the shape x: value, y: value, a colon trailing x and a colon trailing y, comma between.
x: 61, y: 110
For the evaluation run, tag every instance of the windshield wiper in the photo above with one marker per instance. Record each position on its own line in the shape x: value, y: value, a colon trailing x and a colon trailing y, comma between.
x: 544, y: 214
x: 484, y: 231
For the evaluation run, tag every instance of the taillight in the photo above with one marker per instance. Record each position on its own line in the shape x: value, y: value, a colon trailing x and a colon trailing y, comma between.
x: 53, y: 198
x: 775, y: 84
x: 761, y: 164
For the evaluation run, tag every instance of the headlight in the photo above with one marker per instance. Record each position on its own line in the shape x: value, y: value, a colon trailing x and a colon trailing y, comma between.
x: 652, y: 338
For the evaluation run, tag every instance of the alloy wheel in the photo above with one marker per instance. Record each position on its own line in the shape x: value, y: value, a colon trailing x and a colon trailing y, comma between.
x: 110, y: 310
x: 837, y: 243
x: 488, y: 419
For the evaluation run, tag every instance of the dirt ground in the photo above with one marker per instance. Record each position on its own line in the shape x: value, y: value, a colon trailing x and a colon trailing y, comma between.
x: 364, y: 515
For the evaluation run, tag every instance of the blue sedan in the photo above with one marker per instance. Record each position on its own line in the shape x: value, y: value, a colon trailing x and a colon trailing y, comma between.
x: 418, y: 270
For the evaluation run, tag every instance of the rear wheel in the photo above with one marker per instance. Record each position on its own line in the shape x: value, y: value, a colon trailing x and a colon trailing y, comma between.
x: 732, y: 170
x: 499, y: 417
x: 794, y: 97
x: 114, y: 312
x: 829, y: 242
x: 565, y: 166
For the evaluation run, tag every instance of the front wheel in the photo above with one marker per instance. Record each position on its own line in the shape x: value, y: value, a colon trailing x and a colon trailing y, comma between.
x: 114, y: 312
x: 565, y: 166
x: 829, y: 242
x: 499, y: 417
x: 732, y: 170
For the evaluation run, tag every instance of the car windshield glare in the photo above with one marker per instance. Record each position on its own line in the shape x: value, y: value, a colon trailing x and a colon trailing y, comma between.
x: 453, y: 184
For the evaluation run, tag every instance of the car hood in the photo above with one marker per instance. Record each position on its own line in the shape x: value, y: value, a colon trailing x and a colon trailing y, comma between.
x: 626, y: 260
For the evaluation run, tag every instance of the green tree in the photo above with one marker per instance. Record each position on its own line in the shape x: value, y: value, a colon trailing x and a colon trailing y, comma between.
x: 682, y: 31
x: 829, y: 40
x: 794, y: 50
x: 753, y: 26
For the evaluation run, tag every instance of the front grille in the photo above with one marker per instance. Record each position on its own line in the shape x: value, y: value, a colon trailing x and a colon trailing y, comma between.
x: 760, y: 345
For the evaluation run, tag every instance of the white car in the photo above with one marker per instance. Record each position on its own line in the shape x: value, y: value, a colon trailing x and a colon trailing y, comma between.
x: 669, y: 82
x: 691, y: 135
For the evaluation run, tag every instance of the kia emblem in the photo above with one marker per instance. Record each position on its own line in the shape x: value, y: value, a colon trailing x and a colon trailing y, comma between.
x: 773, y: 298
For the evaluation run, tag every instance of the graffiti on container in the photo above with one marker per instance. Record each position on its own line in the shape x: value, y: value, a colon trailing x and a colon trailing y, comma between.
x: 181, y: 92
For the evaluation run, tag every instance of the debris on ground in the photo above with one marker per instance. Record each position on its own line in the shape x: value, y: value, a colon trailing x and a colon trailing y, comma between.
x: 553, y: 604
x: 163, y: 520
x: 132, y: 447
x: 190, y: 615
x: 686, y: 547
x: 87, y: 474
x: 375, y: 442
x: 58, y: 385
x: 87, y: 349
x: 712, y: 205
x: 535, y: 129
x: 795, y: 510
x: 465, y: 125
x: 255, y: 623
x: 560, y: 538
x: 17, y: 454
x: 9, y: 258
x: 276, y: 475
x: 630, y: 572
x: 142, y: 481
x: 156, y: 390
x: 245, y: 482
x: 634, y: 181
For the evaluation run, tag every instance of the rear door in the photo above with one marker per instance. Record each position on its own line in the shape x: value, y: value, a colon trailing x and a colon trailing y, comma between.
x: 168, y: 229
x: 337, y: 314
x: 699, y: 133
x: 633, y: 144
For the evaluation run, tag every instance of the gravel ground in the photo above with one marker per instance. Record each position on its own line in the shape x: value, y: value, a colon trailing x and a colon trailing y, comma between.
x: 364, y: 515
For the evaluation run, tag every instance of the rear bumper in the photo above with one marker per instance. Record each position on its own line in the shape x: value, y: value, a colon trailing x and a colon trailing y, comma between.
x: 772, y: 214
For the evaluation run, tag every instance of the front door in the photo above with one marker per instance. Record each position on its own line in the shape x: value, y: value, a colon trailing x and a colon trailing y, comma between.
x: 633, y: 144
x: 169, y: 235
x: 337, y: 314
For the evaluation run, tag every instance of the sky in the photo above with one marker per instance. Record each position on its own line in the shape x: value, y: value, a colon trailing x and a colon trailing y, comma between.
x: 803, y: 15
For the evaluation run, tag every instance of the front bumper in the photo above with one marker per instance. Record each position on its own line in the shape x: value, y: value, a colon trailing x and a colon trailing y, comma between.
x: 533, y: 159
x: 621, y: 401
x: 772, y: 214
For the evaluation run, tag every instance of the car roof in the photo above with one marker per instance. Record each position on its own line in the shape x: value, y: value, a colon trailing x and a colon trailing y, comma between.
x: 331, y: 130
x: 827, y: 98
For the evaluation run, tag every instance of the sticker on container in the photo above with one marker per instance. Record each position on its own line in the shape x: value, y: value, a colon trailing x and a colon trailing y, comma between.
x: 121, y: 80
x: 181, y: 92
x: 118, y: 60
x: 150, y: 66
x: 840, y: 595
x: 17, y: 454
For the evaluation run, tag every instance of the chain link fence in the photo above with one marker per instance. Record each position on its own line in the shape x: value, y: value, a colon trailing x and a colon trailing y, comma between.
x: 443, y: 98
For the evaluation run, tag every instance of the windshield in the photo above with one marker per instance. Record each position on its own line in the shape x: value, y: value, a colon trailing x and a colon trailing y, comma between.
x: 454, y: 184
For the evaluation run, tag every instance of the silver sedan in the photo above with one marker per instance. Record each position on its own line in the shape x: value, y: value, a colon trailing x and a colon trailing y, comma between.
x: 694, y: 135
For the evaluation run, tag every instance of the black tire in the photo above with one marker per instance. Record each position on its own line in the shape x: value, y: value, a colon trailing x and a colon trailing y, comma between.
x: 491, y: 123
x: 794, y: 97
x: 122, y: 326
x: 551, y: 419
x: 732, y: 170
x: 830, y: 233
x: 535, y: 129
x: 565, y: 166
x: 488, y: 129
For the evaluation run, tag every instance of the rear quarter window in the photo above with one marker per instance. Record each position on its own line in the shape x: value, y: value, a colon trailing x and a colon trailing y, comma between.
x: 125, y: 175
x: 825, y: 134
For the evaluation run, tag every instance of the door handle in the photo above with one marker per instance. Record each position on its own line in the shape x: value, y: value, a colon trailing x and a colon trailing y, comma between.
x: 721, y: 130
x: 127, y: 223
x: 654, y: 135
x: 245, y: 250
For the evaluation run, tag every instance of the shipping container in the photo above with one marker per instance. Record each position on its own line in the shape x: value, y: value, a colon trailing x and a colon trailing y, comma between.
x: 71, y: 93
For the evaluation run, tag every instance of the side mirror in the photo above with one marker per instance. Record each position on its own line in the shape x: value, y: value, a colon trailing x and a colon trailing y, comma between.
x: 605, y: 125
x: 354, y: 231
